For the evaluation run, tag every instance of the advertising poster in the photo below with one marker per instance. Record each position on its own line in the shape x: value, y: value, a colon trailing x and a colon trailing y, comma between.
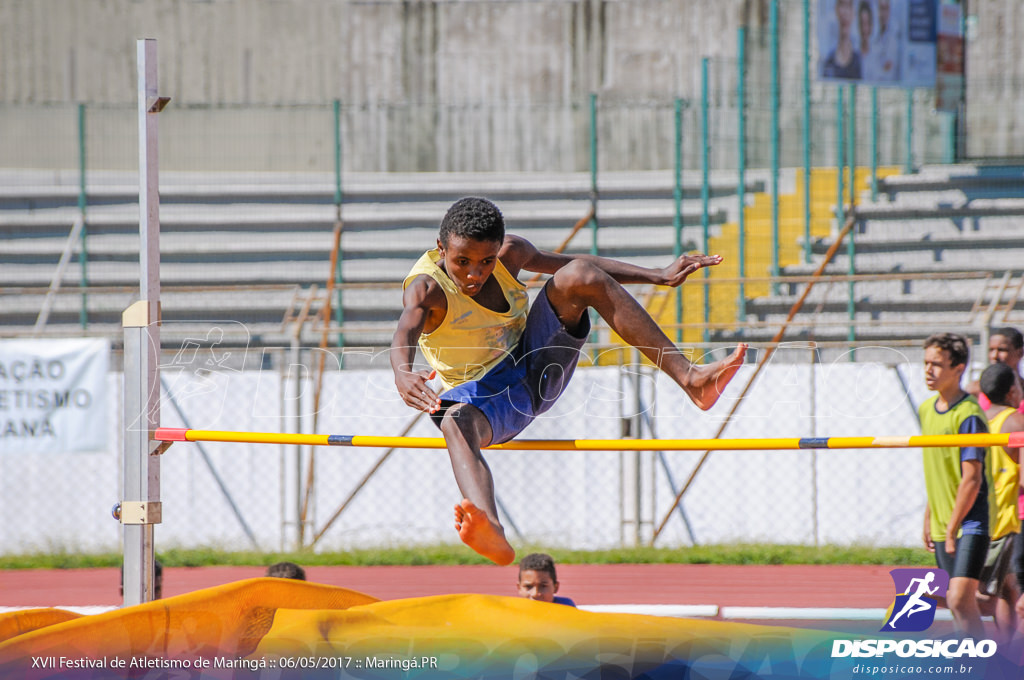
x: 877, y: 42
x: 949, y: 76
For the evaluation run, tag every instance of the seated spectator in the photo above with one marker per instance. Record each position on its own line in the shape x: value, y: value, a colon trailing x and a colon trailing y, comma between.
x: 287, y: 570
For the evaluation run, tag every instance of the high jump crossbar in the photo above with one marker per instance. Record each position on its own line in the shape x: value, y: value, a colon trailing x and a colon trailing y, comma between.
x: 1012, y: 439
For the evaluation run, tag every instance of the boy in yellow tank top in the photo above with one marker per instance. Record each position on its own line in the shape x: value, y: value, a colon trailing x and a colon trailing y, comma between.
x: 956, y: 517
x: 999, y: 590
x: 502, y: 362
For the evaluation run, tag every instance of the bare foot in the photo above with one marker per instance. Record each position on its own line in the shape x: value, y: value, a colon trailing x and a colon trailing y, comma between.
x: 707, y: 382
x: 481, y: 534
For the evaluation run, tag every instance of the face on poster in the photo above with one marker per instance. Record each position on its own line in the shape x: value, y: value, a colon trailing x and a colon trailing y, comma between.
x: 877, y: 42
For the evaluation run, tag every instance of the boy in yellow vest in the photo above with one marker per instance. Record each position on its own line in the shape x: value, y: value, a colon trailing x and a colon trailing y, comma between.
x: 956, y: 517
x: 502, y: 362
x: 999, y: 577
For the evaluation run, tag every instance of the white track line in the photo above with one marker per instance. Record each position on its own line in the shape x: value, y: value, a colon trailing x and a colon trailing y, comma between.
x: 686, y: 611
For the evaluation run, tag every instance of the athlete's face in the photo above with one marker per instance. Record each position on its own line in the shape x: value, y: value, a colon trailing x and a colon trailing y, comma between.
x: 939, y: 373
x: 537, y: 585
x: 1001, y: 350
x: 469, y: 262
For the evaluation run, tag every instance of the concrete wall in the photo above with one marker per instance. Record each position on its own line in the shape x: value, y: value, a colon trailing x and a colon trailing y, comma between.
x: 293, y: 51
x: 456, y: 84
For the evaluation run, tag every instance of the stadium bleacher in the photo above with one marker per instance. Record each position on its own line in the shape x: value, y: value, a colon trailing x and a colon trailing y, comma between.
x: 938, y: 250
x: 253, y: 249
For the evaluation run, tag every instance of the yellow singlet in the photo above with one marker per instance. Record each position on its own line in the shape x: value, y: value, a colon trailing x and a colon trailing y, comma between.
x: 1005, y: 482
x: 472, y: 338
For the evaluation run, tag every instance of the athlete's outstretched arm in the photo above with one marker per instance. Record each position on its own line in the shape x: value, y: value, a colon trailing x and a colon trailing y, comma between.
x: 519, y: 254
x: 419, y: 304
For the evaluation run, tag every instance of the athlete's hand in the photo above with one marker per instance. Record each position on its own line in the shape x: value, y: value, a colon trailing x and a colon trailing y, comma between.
x: 674, y: 274
x: 950, y: 542
x: 929, y: 544
x: 415, y: 391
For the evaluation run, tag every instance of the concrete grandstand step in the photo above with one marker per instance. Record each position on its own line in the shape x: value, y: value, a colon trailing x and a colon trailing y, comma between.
x: 124, y: 219
x: 174, y: 333
x: 947, y: 286
x: 314, y: 245
x: 235, y: 297
x: 871, y: 342
x: 973, y: 181
x: 26, y: 189
x: 934, y: 205
x: 934, y: 228
x: 836, y: 324
x: 936, y: 247
x: 223, y: 233
x: 990, y: 259
x: 387, y: 270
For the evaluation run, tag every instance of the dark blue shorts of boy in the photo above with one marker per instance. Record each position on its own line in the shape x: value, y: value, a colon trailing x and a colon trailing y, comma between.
x: 527, y: 382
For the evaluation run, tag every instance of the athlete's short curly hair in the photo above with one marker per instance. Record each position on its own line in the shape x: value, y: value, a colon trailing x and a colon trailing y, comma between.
x: 474, y: 218
x: 955, y: 344
x: 539, y: 562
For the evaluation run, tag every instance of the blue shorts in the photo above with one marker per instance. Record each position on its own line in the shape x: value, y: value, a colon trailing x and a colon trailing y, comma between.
x: 527, y: 382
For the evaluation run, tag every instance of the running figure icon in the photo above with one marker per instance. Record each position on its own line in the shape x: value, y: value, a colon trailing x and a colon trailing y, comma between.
x: 915, y: 602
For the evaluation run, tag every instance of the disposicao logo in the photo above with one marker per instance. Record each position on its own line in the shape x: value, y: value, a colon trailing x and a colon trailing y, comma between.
x: 916, y: 593
x: 913, y: 610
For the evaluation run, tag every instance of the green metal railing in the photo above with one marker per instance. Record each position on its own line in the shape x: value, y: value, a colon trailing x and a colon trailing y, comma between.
x: 677, y: 213
x: 705, y: 186
x: 83, y: 201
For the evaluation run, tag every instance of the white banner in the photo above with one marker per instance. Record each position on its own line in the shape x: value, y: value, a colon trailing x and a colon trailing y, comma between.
x: 53, y: 396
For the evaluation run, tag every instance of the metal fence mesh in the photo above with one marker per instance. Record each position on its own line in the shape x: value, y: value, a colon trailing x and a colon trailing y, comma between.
x: 254, y: 496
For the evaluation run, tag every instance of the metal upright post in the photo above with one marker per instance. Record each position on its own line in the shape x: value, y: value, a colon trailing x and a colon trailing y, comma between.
x: 140, y: 507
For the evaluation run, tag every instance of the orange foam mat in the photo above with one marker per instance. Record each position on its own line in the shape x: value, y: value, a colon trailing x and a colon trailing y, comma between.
x: 13, y: 624
x: 227, y: 621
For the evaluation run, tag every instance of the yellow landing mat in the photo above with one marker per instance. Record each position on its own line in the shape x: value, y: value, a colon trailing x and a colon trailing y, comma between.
x: 277, y: 628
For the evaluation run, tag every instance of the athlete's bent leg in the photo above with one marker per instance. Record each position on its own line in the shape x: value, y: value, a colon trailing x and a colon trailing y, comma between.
x: 580, y: 284
x: 465, y: 430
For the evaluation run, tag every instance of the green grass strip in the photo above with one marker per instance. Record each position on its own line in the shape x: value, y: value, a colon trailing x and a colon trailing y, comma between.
x: 458, y: 554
